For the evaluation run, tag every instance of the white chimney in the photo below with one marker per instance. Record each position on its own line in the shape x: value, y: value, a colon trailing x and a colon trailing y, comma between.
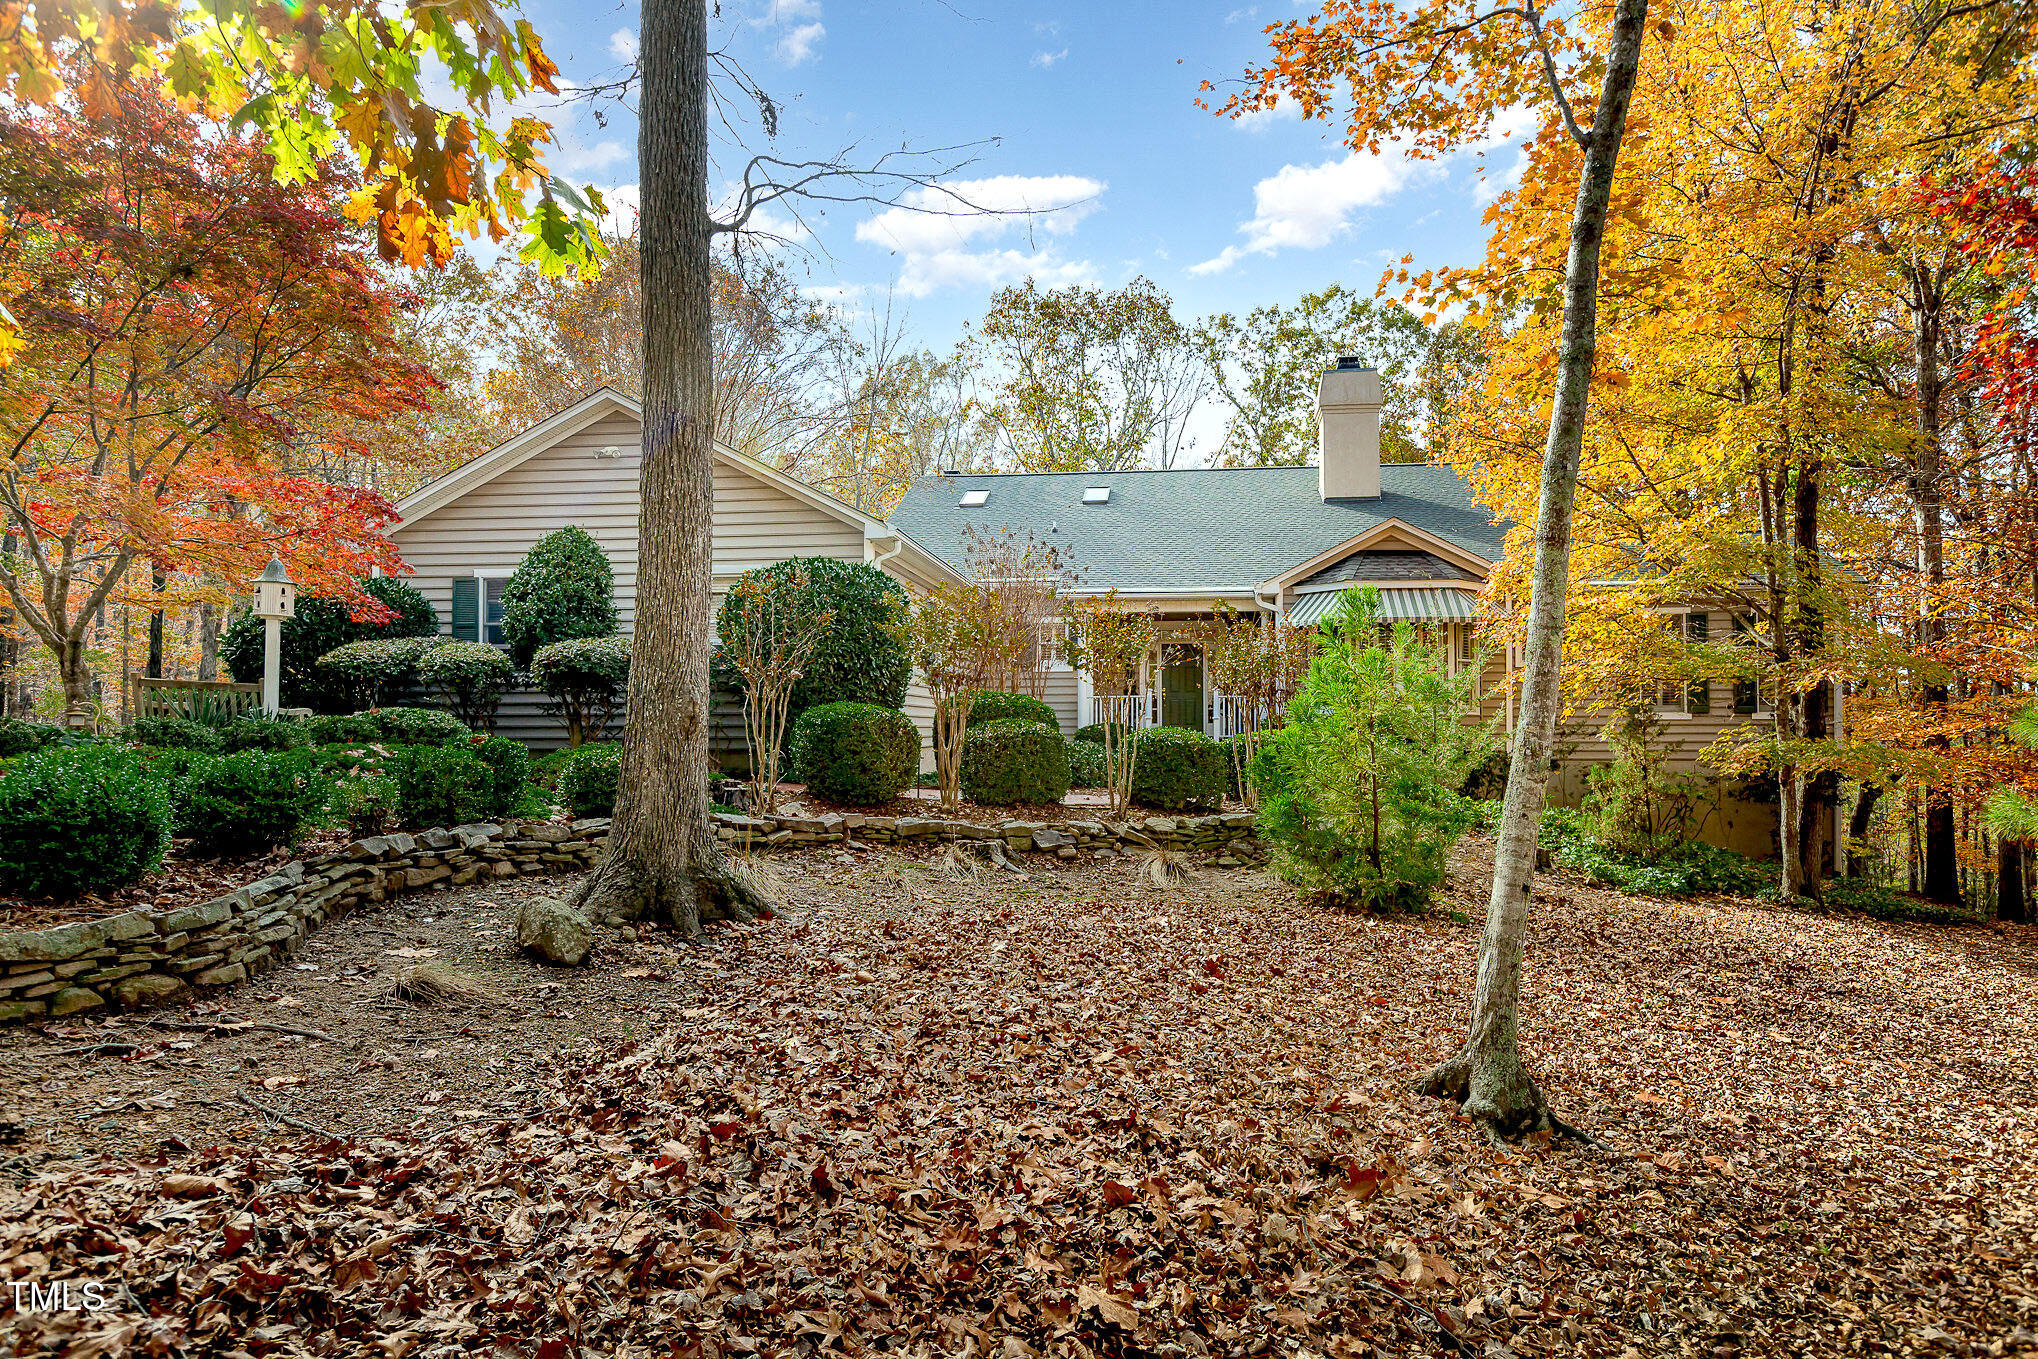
x: 1348, y: 432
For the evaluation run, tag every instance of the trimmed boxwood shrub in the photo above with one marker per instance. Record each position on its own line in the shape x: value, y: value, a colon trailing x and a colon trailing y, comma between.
x: 1012, y: 762
x: 1086, y: 764
x: 1093, y: 734
x: 250, y: 801
x: 563, y: 588
x: 378, y: 670
x: 588, y: 783
x: 996, y: 705
x: 856, y: 753
x: 19, y: 738
x: 444, y: 785
x: 471, y: 677
x: 321, y: 625
x: 418, y: 726
x: 369, y: 805
x: 1178, y: 770
x: 586, y: 677
x: 173, y: 733
x: 861, y: 658
x: 80, y: 819
x: 349, y: 729
x: 509, y: 767
x: 252, y: 731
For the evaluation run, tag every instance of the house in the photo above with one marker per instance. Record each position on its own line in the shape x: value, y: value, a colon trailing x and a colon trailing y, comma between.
x: 1287, y: 541
x: 465, y: 532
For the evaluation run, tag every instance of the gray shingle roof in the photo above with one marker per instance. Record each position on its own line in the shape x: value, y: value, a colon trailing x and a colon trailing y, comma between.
x: 1197, y: 528
x: 1386, y: 565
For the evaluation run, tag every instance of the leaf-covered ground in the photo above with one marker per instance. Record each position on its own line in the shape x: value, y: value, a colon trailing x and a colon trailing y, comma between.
x: 1084, y: 1115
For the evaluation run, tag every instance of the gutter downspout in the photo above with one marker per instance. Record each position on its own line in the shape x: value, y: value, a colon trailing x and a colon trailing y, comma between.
x: 878, y: 558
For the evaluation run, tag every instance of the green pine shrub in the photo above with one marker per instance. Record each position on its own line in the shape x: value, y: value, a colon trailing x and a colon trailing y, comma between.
x: 253, y: 731
x: 1175, y: 769
x: 174, y: 733
x: 250, y: 801
x: 19, y: 738
x: 470, y: 677
x: 1359, y: 792
x: 80, y: 819
x: 320, y: 626
x: 562, y: 589
x: 586, y: 679
x: 588, y: 783
x: 862, y: 656
x: 1011, y: 762
x: 996, y: 705
x: 441, y: 785
x: 855, y: 753
x: 1086, y: 764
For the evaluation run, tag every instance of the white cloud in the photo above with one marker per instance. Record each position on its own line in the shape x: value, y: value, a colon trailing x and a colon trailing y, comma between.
x: 1250, y: 11
x: 1280, y: 111
x: 958, y: 235
x: 1044, y: 60
x: 1306, y: 207
x: 1514, y: 127
x: 623, y: 201
x: 623, y: 44
x: 798, y: 45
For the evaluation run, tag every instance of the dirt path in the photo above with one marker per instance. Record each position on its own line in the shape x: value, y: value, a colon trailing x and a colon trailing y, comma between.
x: 1083, y: 1115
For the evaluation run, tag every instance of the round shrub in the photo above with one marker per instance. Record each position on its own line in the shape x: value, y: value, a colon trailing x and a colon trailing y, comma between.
x: 418, y: 726
x: 471, y: 677
x: 588, y: 783
x: 861, y: 657
x: 369, y: 805
x: 348, y: 729
x: 252, y: 731
x: 19, y: 738
x: 563, y: 588
x: 321, y: 625
x: 173, y: 733
x: 995, y: 705
x: 377, y: 670
x: 81, y: 819
x: 1086, y: 764
x: 509, y: 768
x: 443, y: 785
x: 587, y: 677
x: 1094, y: 734
x: 856, y: 753
x: 1010, y: 762
x: 1177, y: 770
x: 250, y: 801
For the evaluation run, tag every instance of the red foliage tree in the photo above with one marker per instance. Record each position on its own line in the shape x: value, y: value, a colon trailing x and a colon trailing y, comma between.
x: 193, y: 333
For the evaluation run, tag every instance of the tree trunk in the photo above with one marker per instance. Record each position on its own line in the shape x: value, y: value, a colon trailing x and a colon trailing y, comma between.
x: 158, y: 580
x: 1942, y: 868
x: 662, y: 858
x: 74, y: 673
x: 1857, y: 827
x: 1819, y: 792
x: 1487, y: 1076
x: 2010, y: 900
x: 208, y: 640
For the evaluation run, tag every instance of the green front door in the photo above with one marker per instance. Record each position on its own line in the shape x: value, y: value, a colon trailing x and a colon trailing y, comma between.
x: 1182, y: 686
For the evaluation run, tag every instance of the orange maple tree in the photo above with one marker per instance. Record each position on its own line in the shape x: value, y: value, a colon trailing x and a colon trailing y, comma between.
x: 191, y: 331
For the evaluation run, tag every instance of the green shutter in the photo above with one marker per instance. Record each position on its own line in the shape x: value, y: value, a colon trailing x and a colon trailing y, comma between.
x: 467, y: 608
x: 1699, y: 698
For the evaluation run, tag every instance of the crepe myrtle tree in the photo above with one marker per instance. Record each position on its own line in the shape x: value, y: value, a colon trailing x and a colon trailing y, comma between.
x: 1109, y: 638
x: 769, y: 652
x: 955, y: 636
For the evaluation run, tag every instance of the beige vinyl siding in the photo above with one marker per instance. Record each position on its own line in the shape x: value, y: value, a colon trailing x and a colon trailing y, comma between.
x: 1058, y: 691
x: 920, y: 707
x: 492, y: 526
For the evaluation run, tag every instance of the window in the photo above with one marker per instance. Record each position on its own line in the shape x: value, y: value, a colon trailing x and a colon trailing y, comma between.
x: 1671, y: 691
x: 974, y: 499
x: 1096, y: 495
x: 477, y: 608
x: 491, y: 609
x: 1468, y: 644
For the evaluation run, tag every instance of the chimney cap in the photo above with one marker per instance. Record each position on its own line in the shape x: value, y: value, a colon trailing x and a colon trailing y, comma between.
x: 1347, y: 362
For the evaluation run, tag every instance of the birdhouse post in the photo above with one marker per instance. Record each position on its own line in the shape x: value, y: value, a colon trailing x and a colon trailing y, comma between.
x: 275, y: 600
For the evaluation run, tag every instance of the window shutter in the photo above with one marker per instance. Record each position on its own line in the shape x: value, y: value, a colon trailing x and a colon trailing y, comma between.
x: 1696, y: 628
x: 467, y: 608
x: 1744, y: 689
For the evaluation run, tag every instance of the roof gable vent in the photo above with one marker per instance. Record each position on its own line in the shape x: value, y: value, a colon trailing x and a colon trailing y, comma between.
x: 1096, y: 495
x: 973, y: 499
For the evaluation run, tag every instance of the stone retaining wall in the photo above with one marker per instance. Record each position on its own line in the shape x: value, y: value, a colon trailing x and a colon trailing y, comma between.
x: 144, y: 958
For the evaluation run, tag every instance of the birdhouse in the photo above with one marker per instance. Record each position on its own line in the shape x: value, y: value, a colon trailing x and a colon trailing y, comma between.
x: 275, y: 592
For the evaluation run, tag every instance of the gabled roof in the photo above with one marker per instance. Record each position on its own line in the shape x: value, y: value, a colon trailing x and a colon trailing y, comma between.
x: 1198, y: 529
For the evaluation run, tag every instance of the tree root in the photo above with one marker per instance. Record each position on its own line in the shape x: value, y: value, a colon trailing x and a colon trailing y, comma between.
x: 708, y: 887
x: 1496, y: 1092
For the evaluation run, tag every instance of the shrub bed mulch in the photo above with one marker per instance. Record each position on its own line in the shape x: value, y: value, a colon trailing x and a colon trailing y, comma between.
x: 1094, y: 1117
x: 181, y: 880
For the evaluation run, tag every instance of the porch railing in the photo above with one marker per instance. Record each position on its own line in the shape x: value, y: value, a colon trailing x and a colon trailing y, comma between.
x: 1231, y: 714
x: 193, y: 699
x: 1135, y: 710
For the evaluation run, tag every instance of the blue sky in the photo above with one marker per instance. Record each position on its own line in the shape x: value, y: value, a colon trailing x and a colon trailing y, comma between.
x: 1093, y: 110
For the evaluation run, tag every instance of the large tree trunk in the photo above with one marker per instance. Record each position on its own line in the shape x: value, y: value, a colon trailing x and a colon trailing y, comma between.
x: 1819, y: 792
x: 74, y: 673
x: 1928, y: 492
x: 158, y: 581
x: 1857, y: 827
x: 208, y: 640
x: 662, y: 858
x: 2011, y: 903
x: 1487, y: 1076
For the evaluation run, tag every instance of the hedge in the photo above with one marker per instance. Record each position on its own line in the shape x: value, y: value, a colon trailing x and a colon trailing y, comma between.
x: 253, y: 731
x: 857, y: 753
x: 444, y: 785
x: 588, y: 783
x: 251, y: 801
x: 1175, y: 769
x: 861, y: 657
x: 19, y: 738
x: 77, y: 819
x: 509, y: 769
x: 418, y: 726
x: 471, y: 677
x: 996, y: 705
x: 1094, y: 734
x: 1011, y: 761
x: 173, y: 733
x: 562, y: 589
x: 319, y: 627
x: 1086, y: 764
x: 587, y: 678
x: 377, y: 670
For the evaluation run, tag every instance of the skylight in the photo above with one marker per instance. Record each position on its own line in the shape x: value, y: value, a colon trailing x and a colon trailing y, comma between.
x: 972, y: 499
x: 1096, y: 495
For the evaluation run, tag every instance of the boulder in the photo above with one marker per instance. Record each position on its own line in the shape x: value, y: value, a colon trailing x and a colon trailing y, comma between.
x: 554, y: 931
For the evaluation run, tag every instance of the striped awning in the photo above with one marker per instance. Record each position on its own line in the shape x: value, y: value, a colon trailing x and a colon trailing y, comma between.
x: 1416, y: 606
